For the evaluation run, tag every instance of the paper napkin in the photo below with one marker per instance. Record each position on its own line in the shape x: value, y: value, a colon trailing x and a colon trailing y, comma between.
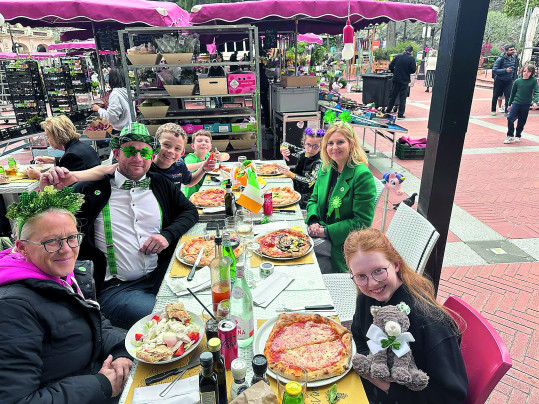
x: 185, y: 391
x: 200, y: 281
x: 268, y: 289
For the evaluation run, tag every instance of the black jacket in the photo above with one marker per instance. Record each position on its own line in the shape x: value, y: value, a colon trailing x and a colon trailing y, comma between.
x: 402, y: 66
x: 436, y: 351
x: 502, y: 63
x: 78, y: 156
x: 53, y: 346
x: 178, y: 216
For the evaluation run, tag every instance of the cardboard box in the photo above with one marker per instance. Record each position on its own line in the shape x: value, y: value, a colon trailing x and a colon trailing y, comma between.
x: 240, y: 83
x: 242, y: 127
x: 212, y: 86
x: 220, y: 144
x: 217, y: 127
x: 154, y: 112
x: 95, y: 134
x: 190, y: 128
x: 299, y: 81
x: 242, y: 141
x: 178, y: 58
x: 152, y: 129
x: 179, y: 90
x: 144, y: 58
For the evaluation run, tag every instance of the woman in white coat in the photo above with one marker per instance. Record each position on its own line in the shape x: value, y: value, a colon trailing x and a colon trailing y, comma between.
x: 430, y: 69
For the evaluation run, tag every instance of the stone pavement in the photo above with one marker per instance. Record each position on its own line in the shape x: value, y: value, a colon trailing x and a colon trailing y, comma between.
x: 492, y: 250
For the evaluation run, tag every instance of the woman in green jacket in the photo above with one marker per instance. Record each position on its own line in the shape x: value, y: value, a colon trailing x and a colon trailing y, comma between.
x: 343, y: 196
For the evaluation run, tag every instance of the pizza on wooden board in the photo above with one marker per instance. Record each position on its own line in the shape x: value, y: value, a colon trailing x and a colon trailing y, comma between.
x: 191, y: 248
x: 268, y: 169
x: 282, y: 196
x: 285, y: 243
x: 209, y: 197
x: 317, y: 344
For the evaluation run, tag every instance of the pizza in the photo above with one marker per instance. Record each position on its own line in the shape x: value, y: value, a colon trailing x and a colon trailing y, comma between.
x: 268, y: 169
x: 283, y: 196
x: 208, y: 197
x: 316, y: 343
x: 286, y: 243
x: 190, y: 249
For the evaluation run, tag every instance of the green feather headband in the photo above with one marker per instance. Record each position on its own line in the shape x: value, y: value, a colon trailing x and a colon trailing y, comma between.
x: 33, y: 203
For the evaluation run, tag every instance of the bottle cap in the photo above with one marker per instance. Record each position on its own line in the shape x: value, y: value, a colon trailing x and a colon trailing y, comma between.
x: 214, y: 344
x: 206, y: 359
x: 238, y: 368
x: 228, y: 184
x: 240, y: 270
x: 260, y: 364
x: 293, y: 388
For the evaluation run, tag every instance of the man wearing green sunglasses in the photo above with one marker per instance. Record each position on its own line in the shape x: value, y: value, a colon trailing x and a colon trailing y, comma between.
x: 132, y: 220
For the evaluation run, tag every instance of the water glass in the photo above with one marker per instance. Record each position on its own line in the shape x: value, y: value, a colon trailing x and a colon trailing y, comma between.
x: 302, y: 380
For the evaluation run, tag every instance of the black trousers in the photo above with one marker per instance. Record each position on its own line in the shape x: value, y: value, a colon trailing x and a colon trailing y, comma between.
x: 518, y: 112
x: 400, y: 90
x: 500, y: 87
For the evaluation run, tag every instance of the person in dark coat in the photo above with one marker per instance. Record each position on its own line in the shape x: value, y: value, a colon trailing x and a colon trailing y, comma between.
x: 504, y: 72
x: 402, y: 66
x: 62, y: 135
x: 56, y: 346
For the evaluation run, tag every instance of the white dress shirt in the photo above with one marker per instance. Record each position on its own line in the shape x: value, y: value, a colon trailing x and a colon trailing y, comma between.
x: 135, y: 215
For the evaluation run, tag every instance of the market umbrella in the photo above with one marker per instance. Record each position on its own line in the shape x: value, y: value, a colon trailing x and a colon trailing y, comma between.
x: 73, y: 45
x: 311, y: 38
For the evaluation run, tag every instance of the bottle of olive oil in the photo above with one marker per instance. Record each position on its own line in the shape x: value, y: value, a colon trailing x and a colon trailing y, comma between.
x: 207, y: 382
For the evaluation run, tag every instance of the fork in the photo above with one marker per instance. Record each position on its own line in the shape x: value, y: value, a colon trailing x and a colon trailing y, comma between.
x: 167, y: 389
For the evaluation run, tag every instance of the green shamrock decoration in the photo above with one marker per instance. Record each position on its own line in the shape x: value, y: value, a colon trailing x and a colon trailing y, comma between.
x: 390, y: 343
x: 345, y: 116
x: 330, y: 117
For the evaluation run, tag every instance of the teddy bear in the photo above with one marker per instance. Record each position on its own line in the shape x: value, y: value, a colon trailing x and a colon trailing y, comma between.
x: 390, y: 355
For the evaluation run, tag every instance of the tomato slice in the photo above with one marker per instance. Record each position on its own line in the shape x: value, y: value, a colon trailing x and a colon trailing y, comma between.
x: 156, y: 318
x: 180, y: 351
x: 138, y: 336
x: 194, y: 336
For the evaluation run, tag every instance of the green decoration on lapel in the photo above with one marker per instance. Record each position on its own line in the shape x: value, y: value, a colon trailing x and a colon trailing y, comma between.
x: 330, y: 117
x: 334, y: 206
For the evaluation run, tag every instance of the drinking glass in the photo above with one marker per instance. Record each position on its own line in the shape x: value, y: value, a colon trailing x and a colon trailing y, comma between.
x: 302, y: 380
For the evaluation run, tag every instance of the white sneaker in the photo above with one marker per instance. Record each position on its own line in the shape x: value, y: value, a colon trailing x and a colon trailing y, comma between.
x: 501, y: 109
x: 517, y: 140
x: 493, y: 113
x: 509, y: 139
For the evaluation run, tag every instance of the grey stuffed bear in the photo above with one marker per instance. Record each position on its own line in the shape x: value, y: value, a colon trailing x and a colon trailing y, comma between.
x: 390, y: 354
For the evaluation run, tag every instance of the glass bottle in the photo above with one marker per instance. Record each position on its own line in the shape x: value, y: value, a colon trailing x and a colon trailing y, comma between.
x: 220, y: 274
x: 214, y: 345
x: 228, y: 252
x: 230, y: 200
x: 238, y: 368
x: 207, y: 382
x: 12, y: 167
x: 241, y: 308
x: 293, y: 393
x: 260, y: 365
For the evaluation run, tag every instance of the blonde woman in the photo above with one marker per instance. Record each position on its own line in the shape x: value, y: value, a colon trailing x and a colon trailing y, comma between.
x: 62, y: 135
x: 343, y: 196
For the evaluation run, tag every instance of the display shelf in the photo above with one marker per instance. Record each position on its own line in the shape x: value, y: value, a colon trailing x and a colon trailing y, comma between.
x: 59, y: 87
x: 164, y: 94
x: 78, y: 70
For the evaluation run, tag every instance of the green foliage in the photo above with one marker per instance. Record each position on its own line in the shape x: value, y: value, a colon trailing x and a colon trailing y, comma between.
x: 384, y: 54
x: 501, y: 30
x: 515, y: 8
x: 317, y: 55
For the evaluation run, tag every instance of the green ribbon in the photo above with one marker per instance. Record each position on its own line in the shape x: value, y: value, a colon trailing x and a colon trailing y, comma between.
x: 334, y: 206
x: 390, y: 343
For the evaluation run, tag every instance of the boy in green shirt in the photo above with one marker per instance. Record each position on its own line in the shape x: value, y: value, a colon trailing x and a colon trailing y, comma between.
x: 525, y: 91
x: 201, y: 145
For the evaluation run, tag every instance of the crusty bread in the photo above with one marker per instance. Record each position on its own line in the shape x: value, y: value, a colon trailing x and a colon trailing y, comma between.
x: 159, y: 353
x: 177, y: 310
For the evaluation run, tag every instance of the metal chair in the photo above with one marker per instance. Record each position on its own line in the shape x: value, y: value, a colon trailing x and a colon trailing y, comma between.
x: 108, y: 161
x: 412, y: 236
x: 485, y: 355
x: 379, y: 190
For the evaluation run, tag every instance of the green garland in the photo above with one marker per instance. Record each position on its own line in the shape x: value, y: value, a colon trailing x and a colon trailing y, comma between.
x: 33, y: 203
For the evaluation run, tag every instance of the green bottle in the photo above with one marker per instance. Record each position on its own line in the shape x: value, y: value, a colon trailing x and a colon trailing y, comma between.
x: 293, y: 393
x: 228, y: 251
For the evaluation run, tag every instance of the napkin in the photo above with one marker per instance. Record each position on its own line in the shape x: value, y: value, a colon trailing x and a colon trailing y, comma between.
x: 267, y: 290
x: 200, y: 281
x: 266, y: 228
x: 185, y: 391
x: 214, y: 209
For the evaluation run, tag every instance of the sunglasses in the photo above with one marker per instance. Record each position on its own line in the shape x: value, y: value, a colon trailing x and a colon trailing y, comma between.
x: 130, y: 151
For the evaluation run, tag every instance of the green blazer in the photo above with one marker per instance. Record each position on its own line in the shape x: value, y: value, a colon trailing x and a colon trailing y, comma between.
x: 356, y: 190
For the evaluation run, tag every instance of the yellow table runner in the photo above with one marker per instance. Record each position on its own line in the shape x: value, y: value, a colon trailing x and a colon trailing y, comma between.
x: 19, y: 177
x: 349, y: 388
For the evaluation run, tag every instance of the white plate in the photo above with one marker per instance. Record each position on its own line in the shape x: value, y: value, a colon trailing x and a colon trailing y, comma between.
x: 257, y: 252
x: 39, y: 167
x: 298, y: 197
x: 180, y: 258
x: 261, y: 337
x: 138, y: 328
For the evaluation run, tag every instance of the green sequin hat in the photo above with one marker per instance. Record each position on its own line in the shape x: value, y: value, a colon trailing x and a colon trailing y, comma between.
x: 135, y: 132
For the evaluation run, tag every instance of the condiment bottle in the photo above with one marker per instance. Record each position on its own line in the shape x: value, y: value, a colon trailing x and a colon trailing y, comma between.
x: 214, y: 345
x: 239, y: 368
x: 293, y: 393
x: 220, y: 274
x: 230, y: 200
x: 241, y: 308
x: 207, y: 382
x: 260, y: 365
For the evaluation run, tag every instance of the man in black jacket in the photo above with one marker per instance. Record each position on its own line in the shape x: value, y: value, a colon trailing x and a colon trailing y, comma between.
x: 402, y: 66
x: 504, y: 72
x: 132, y: 220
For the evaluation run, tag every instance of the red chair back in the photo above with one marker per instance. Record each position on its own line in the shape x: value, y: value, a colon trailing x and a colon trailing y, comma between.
x: 485, y: 355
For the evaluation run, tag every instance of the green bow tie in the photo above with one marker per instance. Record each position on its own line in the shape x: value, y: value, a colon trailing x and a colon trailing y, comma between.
x: 129, y: 184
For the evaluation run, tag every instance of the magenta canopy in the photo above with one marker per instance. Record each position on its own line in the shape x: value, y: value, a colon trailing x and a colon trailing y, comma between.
x: 103, y: 13
x: 73, y: 45
x: 316, y: 16
x: 311, y: 38
x: 32, y: 55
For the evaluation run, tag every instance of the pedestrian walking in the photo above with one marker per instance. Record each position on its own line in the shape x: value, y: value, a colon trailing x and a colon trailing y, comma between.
x: 431, y: 69
x: 402, y: 66
x: 525, y: 91
x: 504, y: 72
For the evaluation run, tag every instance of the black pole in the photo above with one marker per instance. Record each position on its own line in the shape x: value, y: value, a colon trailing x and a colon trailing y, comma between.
x: 456, y: 70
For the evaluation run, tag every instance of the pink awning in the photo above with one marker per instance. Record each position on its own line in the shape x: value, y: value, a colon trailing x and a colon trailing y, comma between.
x: 32, y: 55
x: 73, y: 45
x: 311, y: 38
x: 316, y: 16
x: 103, y: 13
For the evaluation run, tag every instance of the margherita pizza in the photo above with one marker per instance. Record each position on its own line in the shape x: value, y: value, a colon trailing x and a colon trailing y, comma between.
x: 286, y: 243
x: 190, y: 249
x: 316, y: 343
x: 284, y: 196
x: 208, y: 197
x: 268, y: 169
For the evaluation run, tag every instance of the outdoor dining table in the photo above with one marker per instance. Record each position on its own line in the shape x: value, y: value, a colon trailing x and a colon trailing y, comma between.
x: 307, y: 288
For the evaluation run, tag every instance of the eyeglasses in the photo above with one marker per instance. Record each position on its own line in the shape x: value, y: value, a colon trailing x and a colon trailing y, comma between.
x: 55, y: 244
x: 130, y: 151
x: 379, y: 275
x: 311, y: 146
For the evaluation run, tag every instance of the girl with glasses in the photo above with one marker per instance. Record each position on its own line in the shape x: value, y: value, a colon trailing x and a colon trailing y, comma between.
x: 343, y: 196
x: 383, y: 278
x: 304, y: 175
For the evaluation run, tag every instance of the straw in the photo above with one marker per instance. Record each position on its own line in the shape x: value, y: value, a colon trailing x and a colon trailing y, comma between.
x: 202, y: 304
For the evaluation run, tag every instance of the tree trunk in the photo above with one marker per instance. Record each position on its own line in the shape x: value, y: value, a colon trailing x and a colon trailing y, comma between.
x: 391, y: 40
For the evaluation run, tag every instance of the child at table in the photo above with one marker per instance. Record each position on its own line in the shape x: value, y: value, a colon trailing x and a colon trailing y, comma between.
x: 201, y: 145
x: 304, y: 175
x: 383, y: 278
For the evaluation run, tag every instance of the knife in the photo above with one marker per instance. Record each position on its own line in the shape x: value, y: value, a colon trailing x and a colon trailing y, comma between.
x: 197, y: 261
x: 161, y: 376
x: 308, y: 308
